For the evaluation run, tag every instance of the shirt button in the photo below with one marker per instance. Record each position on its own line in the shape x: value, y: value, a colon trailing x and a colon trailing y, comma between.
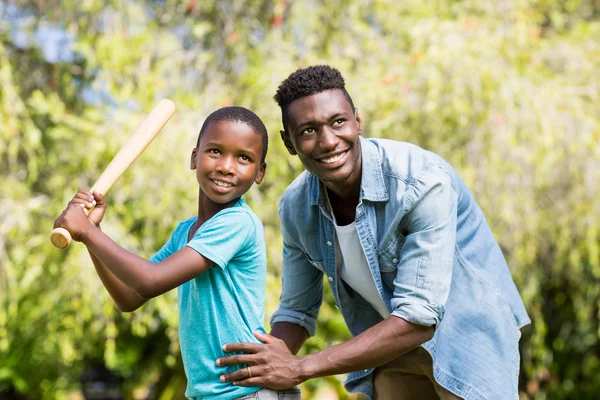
x: 395, y: 260
x: 329, y: 243
x: 366, y: 370
x: 330, y: 279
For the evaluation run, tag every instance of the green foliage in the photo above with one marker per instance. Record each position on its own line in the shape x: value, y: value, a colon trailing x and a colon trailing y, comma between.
x: 507, y: 92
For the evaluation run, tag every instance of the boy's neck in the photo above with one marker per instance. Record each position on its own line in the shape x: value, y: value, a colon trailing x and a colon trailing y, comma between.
x: 208, y: 208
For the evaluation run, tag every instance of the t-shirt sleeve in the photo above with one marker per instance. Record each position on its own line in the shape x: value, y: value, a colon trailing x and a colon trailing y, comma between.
x: 167, y: 249
x: 223, y: 237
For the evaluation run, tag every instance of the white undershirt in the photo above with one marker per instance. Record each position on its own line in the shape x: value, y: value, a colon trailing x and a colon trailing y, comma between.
x: 356, y: 273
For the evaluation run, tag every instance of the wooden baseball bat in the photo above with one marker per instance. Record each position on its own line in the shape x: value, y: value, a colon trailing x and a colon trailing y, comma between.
x: 135, y: 145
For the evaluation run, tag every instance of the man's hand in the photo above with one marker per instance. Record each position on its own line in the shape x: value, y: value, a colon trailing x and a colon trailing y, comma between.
x: 271, y: 364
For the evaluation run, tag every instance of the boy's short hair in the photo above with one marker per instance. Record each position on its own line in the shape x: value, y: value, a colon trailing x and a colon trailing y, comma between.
x: 306, y: 82
x: 238, y: 114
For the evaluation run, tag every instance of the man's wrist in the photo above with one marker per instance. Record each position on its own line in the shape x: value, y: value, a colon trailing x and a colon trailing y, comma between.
x: 307, y: 368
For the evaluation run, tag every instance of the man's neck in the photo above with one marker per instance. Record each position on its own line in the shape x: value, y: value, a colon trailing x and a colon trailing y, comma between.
x: 343, y: 207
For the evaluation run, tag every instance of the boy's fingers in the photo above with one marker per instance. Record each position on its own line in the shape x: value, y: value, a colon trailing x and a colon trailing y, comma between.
x: 99, y: 197
x: 84, y: 196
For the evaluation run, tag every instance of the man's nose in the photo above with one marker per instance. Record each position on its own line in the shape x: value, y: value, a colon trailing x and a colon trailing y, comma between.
x: 328, y: 140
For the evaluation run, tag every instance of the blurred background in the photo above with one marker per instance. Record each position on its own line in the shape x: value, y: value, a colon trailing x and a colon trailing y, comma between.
x: 507, y: 91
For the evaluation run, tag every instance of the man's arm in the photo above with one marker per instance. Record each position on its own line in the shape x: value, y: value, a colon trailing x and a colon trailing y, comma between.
x: 274, y: 366
x: 376, y: 346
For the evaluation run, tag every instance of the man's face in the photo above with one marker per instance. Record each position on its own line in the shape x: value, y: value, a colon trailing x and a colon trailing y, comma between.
x: 323, y: 130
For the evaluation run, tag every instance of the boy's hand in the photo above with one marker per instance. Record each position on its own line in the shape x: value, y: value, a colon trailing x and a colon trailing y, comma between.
x: 86, y: 199
x: 74, y: 220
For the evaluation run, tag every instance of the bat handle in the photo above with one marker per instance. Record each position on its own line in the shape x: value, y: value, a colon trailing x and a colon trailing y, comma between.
x: 60, y: 237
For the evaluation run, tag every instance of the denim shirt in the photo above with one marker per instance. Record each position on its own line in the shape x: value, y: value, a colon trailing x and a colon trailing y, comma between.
x: 434, y: 261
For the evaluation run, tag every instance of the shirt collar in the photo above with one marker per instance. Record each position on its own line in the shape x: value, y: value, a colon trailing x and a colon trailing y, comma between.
x: 372, y: 186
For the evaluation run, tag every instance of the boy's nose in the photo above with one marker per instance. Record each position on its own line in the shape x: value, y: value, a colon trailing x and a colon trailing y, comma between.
x: 225, y: 166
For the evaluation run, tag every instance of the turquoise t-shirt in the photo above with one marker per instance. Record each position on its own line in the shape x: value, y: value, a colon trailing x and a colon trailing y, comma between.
x: 223, y: 305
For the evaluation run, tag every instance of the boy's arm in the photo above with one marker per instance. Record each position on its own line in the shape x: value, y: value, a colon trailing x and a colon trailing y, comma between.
x: 147, y: 279
x: 144, y: 277
x: 292, y: 335
x: 125, y: 298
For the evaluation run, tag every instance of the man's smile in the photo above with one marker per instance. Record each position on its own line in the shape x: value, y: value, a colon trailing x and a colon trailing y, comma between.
x: 334, y: 159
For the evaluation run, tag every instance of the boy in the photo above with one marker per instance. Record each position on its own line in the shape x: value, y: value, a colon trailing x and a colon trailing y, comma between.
x: 216, y: 259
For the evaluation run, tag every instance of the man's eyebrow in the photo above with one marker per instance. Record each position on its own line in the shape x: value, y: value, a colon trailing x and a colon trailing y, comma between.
x: 312, y: 122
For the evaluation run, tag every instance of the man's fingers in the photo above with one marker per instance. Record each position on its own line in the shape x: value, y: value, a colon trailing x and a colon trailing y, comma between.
x: 265, y: 337
x: 248, y: 376
x: 237, y: 359
x: 249, y: 382
x: 244, y: 347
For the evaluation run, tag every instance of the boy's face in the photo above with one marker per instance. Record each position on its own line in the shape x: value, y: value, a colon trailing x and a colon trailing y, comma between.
x: 228, y: 160
x: 323, y: 130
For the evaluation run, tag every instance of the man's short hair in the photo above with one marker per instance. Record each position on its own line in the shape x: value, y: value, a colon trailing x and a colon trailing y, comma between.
x: 306, y: 82
x: 238, y: 114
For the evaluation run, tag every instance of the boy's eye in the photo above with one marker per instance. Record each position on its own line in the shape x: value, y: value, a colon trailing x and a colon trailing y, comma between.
x: 308, y: 131
x: 339, y: 121
x: 245, y: 158
x: 213, y: 151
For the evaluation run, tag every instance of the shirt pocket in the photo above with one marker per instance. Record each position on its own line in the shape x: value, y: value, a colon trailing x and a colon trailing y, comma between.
x: 389, y: 258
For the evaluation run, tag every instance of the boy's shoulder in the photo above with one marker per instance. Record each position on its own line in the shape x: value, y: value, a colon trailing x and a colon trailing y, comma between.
x: 239, y: 213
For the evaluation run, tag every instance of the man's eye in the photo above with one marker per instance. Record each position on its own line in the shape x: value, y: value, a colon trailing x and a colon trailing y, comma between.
x: 308, y: 131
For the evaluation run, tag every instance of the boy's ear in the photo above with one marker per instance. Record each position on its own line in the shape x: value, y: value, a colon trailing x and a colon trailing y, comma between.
x: 358, y: 121
x: 261, y: 173
x: 288, y: 142
x: 193, y: 158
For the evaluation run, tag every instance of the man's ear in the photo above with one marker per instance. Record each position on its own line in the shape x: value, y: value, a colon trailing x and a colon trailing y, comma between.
x: 261, y: 173
x: 358, y: 121
x: 193, y: 158
x: 288, y: 142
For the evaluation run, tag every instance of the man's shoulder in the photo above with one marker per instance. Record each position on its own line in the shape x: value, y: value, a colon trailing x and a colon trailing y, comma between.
x: 298, y: 187
x: 403, y: 160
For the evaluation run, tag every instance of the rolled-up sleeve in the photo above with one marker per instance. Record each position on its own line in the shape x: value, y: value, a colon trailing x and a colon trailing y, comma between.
x: 424, y: 274
x: 302, y: 291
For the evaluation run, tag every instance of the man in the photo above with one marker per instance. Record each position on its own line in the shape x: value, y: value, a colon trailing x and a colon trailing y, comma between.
x: 413, y: 266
